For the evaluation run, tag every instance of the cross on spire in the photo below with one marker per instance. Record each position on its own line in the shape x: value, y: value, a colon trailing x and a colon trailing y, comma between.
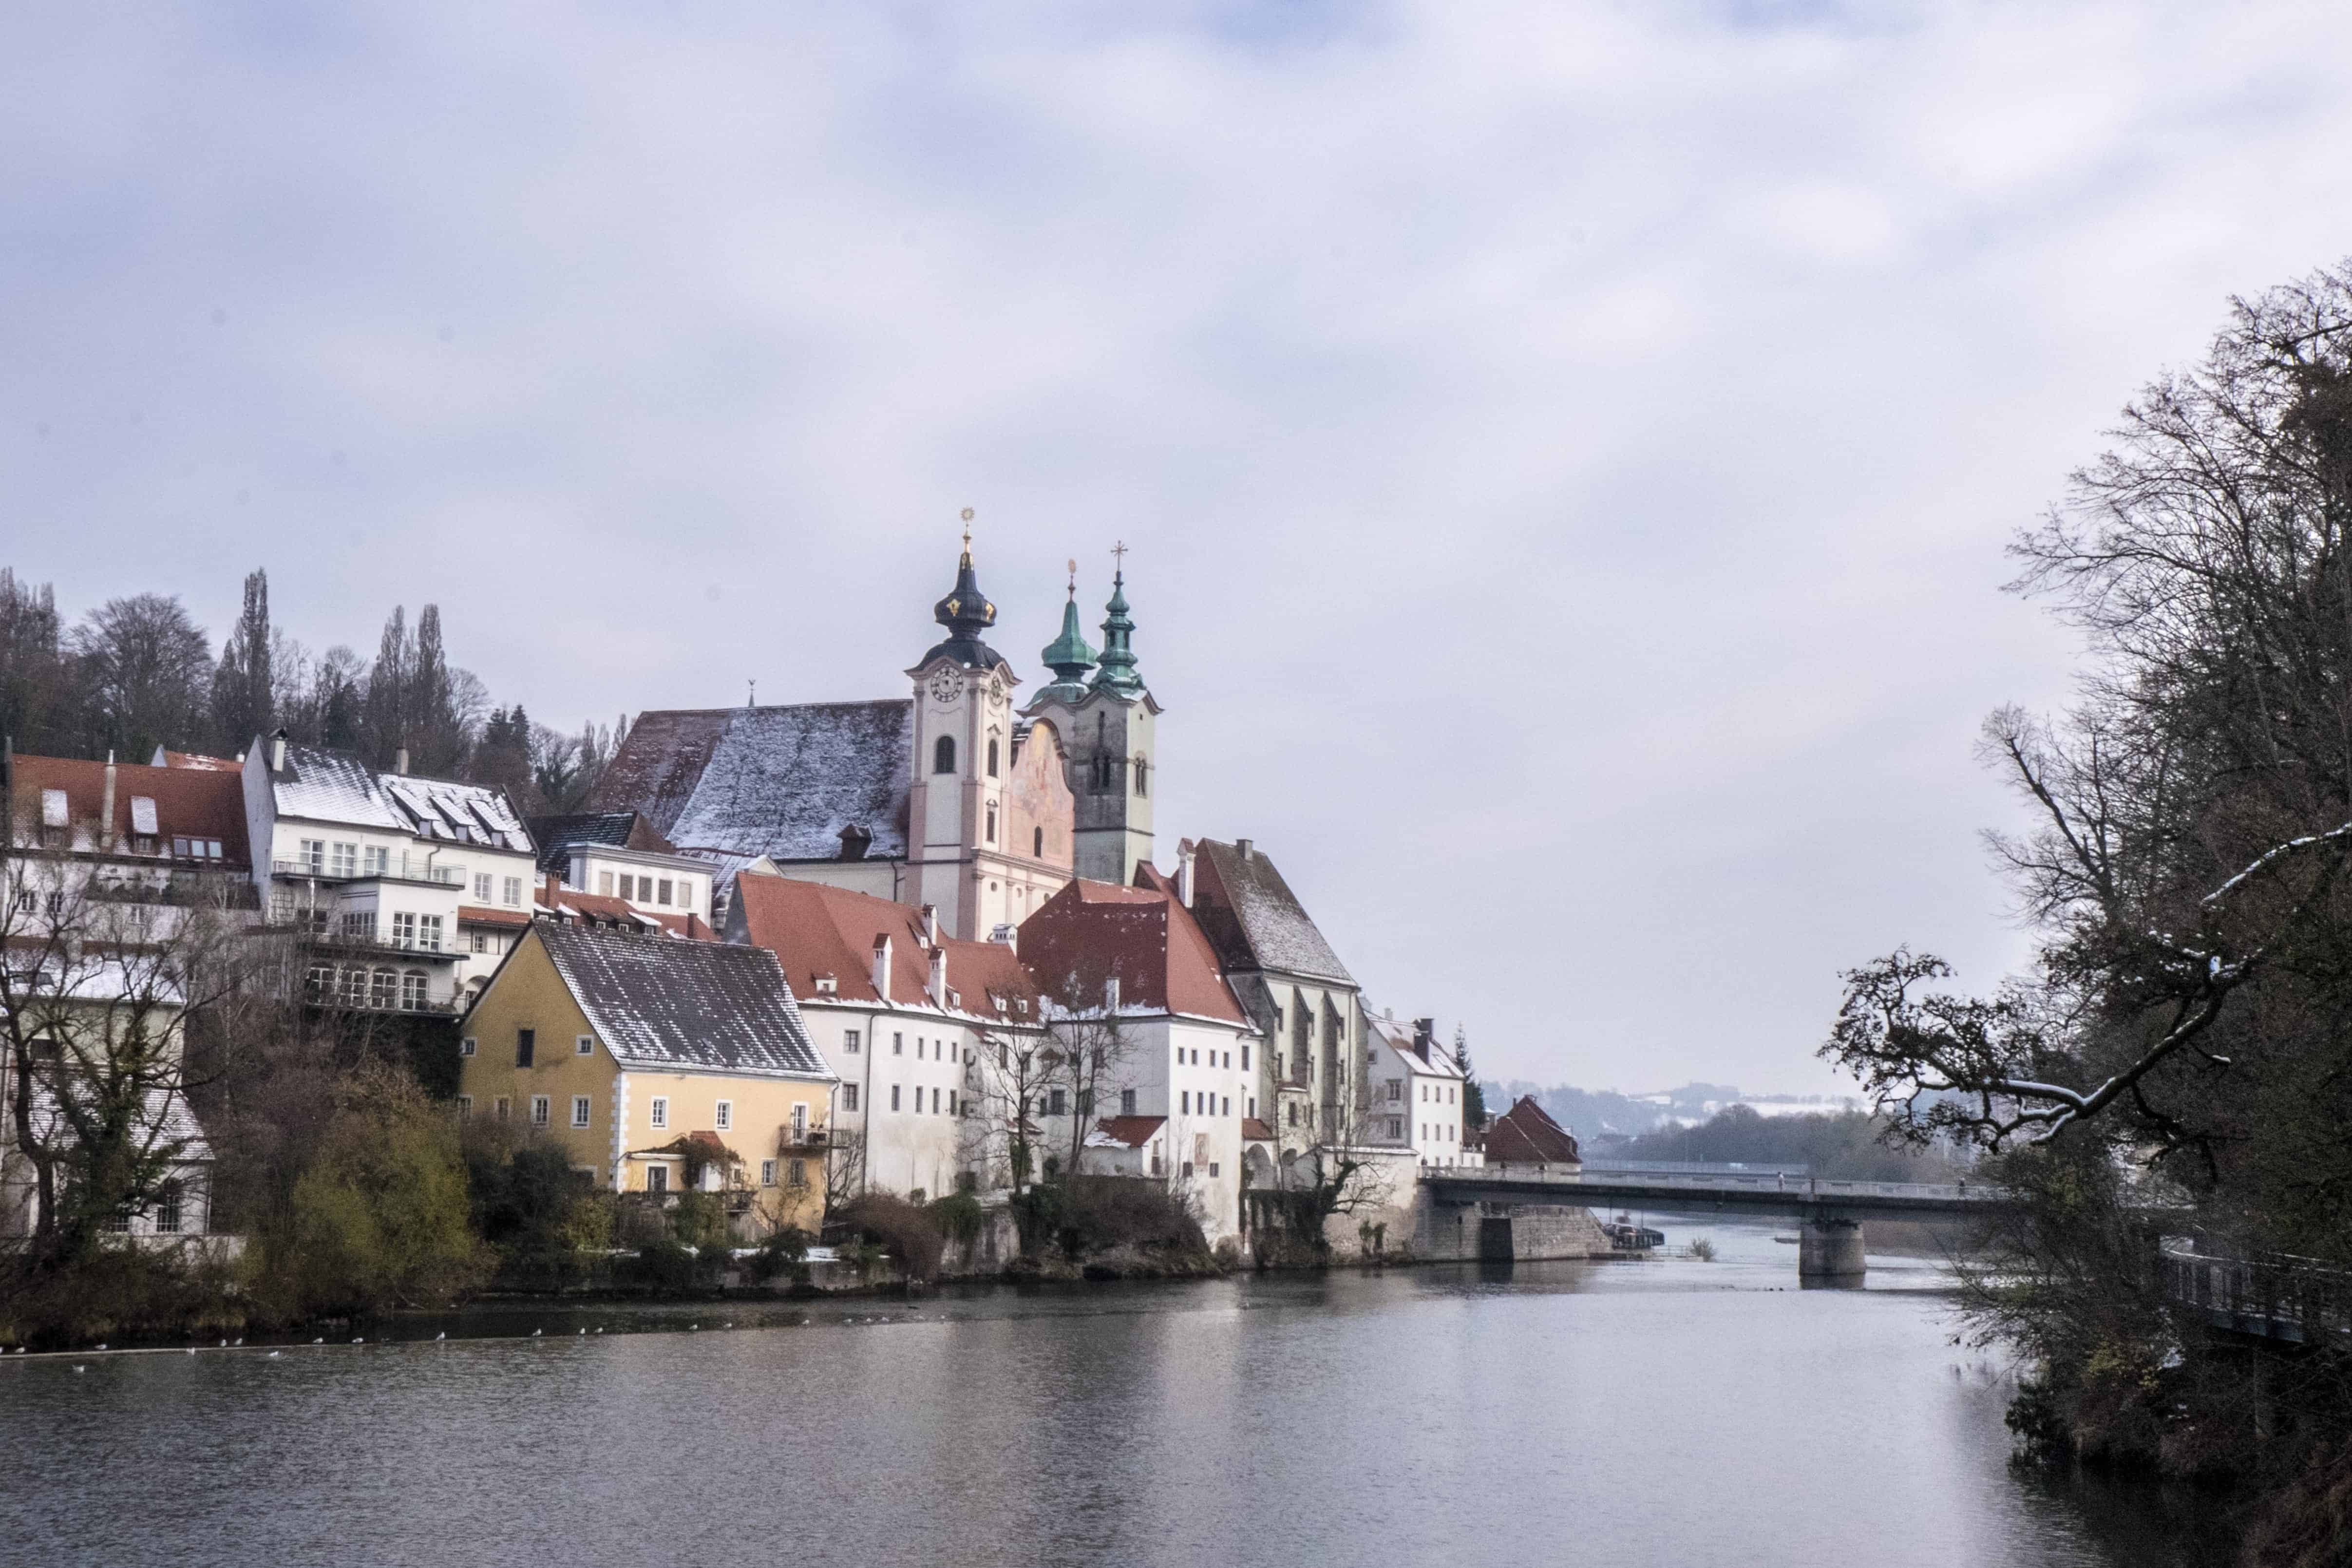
x: 1119, y: 551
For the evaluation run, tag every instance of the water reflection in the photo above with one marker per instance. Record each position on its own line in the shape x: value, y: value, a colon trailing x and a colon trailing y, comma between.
x: 1667, y: 1412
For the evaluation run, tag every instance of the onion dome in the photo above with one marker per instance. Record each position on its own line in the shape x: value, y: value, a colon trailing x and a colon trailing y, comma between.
x: 1117, y: 672
x: 966, y: 612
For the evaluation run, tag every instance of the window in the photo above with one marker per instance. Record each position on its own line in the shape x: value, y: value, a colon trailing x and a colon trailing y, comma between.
x: 481, y: 887
x: 656, y: 1178
x: 1186, y: 1103
x: 1142, y: 770
x: 311, y: 856
x: 1396, y: 1126
x: 352, y: 987
x: 465, y: 1046
x: 767, y: 1173
x: 580, y: 1109
x: 481, y: 941
x: 539, y: 1110
x: 403, y: 930
x: 605, y: 883
x: 1396, y: 1089
x: 952, y: 1102
x: 849, y: 1045
x: 412, y: 990
x: 583, y: 1045
x: 513, y: 893
x: 659, y: 1115
x: 466, y: 1106
x: 359, y: 924
x: 1058, y: 1103
x: 944, y: 755
x: 894, y: 1097
x: 1245, y: 1059
x: 849, y: 1096
x: 1038, y: 843
x: 796, y: 1173
x: 501, y: 1108
x: 526, y: 1040
x: 381, y: 991
x: 1226, y: 1105
x: 662, y: 891
x: 429, y: 933
x: 800, y: 1120
x: 346, y: 861
x: 167, y: 1210
x: 722, y: 1115
x: 991, y: 819
x: 935, y: 1102
x: 1127, y: 1101
x: 897, y: 1044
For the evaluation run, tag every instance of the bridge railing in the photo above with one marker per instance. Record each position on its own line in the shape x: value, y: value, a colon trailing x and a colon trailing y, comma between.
x: 1816, y: 1188
x: 1696, y: 1168
x: 2275, y: 1296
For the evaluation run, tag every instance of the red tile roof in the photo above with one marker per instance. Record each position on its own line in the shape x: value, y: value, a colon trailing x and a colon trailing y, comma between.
x: 1091, y: 931
x: 815, y: 930
x: 484, y: 914
x: 1254, y: 1131
x: 560, y: 903
x: 189, y: 802
x: 1133, y: 1131
x: 1524, y: 1136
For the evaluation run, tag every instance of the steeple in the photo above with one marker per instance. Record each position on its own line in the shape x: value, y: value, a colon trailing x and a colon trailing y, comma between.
x: 1117, y: 673
x: 1067, y: 655
x: 966, y: 612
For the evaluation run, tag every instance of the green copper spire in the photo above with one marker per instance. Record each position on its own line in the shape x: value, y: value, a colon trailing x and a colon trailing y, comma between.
x: 1117, y: 672
x: 1067, y: 655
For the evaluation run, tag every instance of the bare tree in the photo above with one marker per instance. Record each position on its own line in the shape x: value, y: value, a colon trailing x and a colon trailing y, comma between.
x: 1015, y: 1071
x: 98, y: 986
x: 144, y: 670
x: 1089, y: 1057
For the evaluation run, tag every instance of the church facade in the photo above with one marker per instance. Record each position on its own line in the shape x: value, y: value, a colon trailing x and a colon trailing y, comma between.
x: 958, y: 795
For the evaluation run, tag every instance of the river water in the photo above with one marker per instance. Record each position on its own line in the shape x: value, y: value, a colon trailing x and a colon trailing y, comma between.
x: 1666, y: 1412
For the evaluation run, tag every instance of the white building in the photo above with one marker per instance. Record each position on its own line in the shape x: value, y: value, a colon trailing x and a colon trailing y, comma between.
x: 390, y: 875
x: 1416, y: 1093
x: 1130, y: 958
x: 909, y: 1018
x: 617, y: 854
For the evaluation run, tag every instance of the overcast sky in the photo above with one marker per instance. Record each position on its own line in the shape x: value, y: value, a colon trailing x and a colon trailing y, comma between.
x: 1567, y: 450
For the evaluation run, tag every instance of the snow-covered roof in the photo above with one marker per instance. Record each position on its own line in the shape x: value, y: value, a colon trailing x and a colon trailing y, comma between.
x: 659, y: 1003
x: 1255, y: 921
x: 1397, y: 1035
x: 777, y: 781
x: 320, y: 786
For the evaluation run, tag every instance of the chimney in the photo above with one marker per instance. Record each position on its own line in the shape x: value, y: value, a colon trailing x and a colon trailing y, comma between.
x: 1425, y: 1035
x: 400, y: 760
x: 882, y: 966
x: 938, y: 977
x: 1242, y: 850
x: 930, y: 925
x: 105, y: 808
x: 1184, y: 873
x: 277, y: 752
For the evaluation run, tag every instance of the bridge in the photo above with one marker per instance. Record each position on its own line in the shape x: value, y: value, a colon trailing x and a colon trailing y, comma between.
x: 1830, y: 1212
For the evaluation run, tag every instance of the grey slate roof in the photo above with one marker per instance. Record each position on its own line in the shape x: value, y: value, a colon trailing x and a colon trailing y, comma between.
x: 776, y: 781
x: 658, y: 1002
x: 1254, y: 919
x: 321, y: 786
x: 616, y: 829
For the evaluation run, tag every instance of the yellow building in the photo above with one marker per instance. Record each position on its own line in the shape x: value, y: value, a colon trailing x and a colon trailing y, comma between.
x: 658, y: 1065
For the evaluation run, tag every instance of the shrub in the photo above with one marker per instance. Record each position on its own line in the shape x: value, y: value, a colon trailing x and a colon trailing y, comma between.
x: 780, y: 1253
x: 959, y: 1217
x: 909, y: 1233
x: 380, y: 1218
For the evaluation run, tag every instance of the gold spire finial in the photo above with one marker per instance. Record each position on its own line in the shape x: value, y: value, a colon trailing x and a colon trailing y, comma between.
x: 967, y: 535
x: 1074, y: 577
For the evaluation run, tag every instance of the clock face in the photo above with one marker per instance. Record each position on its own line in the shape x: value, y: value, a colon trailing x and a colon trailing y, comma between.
x: 944, y: 687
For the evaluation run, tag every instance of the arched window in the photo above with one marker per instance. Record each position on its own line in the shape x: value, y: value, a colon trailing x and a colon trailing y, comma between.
x: 1142, y: 769
x: 992, y: 824
x: 1038, y: 843
x: 944, y: 755
x: 991, y: 757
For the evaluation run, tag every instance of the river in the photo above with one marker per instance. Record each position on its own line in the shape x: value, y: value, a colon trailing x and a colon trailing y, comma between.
x: 1666, y: 1412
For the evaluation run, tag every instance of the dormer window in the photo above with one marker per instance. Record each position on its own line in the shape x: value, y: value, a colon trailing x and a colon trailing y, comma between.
x: 944, y: 755
x: 827, y: 986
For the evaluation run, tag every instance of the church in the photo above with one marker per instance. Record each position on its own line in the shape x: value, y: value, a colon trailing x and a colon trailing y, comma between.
x: 956, y: 795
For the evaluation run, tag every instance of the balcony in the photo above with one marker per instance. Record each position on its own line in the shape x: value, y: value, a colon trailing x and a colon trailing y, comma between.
x: 392, y: 868
x: 807, y: 1138
x: 179, y: 890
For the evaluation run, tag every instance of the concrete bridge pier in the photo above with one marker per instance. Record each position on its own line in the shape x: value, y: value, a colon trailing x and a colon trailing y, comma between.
x: 1829, y: 1251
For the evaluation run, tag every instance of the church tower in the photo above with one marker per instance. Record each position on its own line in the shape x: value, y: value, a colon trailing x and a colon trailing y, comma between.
x: 1106, y: 729
x: 987, y: 813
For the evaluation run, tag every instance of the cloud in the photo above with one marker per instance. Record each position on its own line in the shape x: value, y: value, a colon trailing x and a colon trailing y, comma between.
x: 1567, y: 450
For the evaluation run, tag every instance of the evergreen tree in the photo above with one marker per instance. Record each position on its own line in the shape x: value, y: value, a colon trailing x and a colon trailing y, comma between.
x: 1473, y: 1098
x: 35, y: 700
x: 245, y: 692
x: 384, y: 724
